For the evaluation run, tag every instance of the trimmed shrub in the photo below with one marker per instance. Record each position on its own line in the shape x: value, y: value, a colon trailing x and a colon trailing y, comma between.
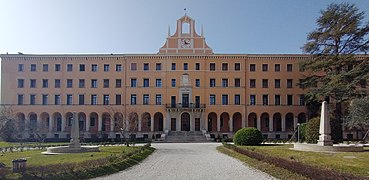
x: 248, y: 136
x: 312, y: 130
x: 303, y: 132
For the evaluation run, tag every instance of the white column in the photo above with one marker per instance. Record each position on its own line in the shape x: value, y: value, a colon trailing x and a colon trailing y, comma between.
x: 88, y: 123
x: 295, y: 120
x: 178, y: 122
x: 230, y: 122
x: 152, y: 123
x: 271, y: 125
x: 99, y: 123
x: 207, y: 124
x: 51, y: 123
x: 112, y: 123
x: 192, y: 122
x: 166, y: 121
x: 64, y: 120
x: 218, y: 124
x: 258, y: 124
x: 139, y: 124
x: 283, y: 120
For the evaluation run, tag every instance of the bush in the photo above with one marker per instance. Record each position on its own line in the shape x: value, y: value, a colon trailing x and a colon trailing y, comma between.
x: 312, y: 130
x: 302, y: 132
x: 248, y: 136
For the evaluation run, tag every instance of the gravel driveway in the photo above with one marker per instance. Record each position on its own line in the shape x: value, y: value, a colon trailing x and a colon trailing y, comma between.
x: 189, y: 161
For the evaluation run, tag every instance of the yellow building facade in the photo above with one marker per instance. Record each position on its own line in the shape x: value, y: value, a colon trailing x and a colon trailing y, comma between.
x: 184, y: 87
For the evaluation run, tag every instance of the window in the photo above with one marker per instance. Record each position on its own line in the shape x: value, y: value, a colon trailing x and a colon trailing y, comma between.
x: 94, y: 67
x: 158, y: 99
x: 81, y: 99
x: 173, y: 66
x: 45, y: 83
x: 57, y: 83
x: 212, y: 66
x: 146, y: 99
x: 265, y: 99
x: 277, y: 67
x: 252, y: 83
x: 33, y: 67
x: 69, y: 99
x: 173, y: 82
x: 277, y: 100
x: 118, y: 67
x: 20, y: 99
x: 106, y: 99
x: 93, y: 99
x: 212, y: 83
x: 185, y: 66
x: 57, y: 100
x: 289, y: 100
x: 82, y: 67
x: 133, y: 82
x: 81, y: 83
x: 32, y: 83
x: 93, y: 83
x: 20, y: 83
x: 158, y: 66
x: 92, y: 121
x: 133, y: 66
x: 224, y: 82
x: 289, y: 83
x: 212, y: 99
x: 158, y: 83
x: 277, y: 83
x: 69, y: 67
x: 106, y: 83
x: 118, y: 83
x: 20, y: 67
x: 289, y: 67
x: 237, y: 66
x: 252, y: 99
x: 197, y: 82
x: 224, y: 66
x: 69, y: 83
x: 133, y: 99
x: 265, y: 83
x: 45, y: 67
x: 57, y: 67
x: 32, y: 99
x: 224, y: 99
x: 146, y: 67
x: 237, y: 82
x: 118, y: 99
x: 265, y: 67
x: 146, y: 82
x: 302, y: 100
x: 252, y: 67
x: 106, y: 67
x: 237, y: 99
x: 197, y: 66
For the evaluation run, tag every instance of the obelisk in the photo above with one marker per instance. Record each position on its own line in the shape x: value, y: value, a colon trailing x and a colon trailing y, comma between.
x: 74, y: 142
x: 325, y: 127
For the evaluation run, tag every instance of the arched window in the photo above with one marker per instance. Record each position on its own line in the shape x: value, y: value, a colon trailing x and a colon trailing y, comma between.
x: 185, y: 28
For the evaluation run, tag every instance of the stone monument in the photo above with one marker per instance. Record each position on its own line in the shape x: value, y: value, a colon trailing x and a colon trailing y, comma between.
x: 74, y: 142
x: 325, y: 127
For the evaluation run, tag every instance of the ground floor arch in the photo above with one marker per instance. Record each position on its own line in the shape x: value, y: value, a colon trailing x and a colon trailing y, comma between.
x: 264, y: 122
x: 289, y: 122
x: 277, y: 122
x: 252, y: 120
x: 158, y: 121
x: 237, y: 121
x: 146, y: 122
x: 212, y: 122
x: 21, y: 121
x: 224, y: 122
x: 185, y: 121
x: 82, y: 121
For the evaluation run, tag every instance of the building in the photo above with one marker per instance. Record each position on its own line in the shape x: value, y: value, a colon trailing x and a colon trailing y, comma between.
x: 185, y: 87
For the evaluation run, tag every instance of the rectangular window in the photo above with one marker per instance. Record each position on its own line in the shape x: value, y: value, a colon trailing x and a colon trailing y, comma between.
x: 158, y: 83
x: 277, y: 67
x: 57, y: 67
x: 69, y: 99
x: 93, y: 83
x: 32, y: 99
x: 212, y: 83
x: 45, y: 83
x: 237, y: 82
x: 94, y: 67
x: 118, y: 83
x: 118, y: 99
x: 146, y: 67
x: 106, y: 67
x: 82, y: 67
x: 185, y: 66
x: 224, y: 82
x: 277, y: 100
x: 33, y: 67
x: 158, y: 66
x: 224, y: 99
x: 265, y: 83
x: 252, y: 83
x: 133, y: 66
x: 265, y: 99
x: 45, y: 67
x: 158, y: 99
x: 57, y: 100
x: 146, y: 99
x: 237, y: 99
x: 277, y: 83
x: 133, y: 82
x: 69, y: 67
x: 20, y: 99
x: 81, y: 99
x: 133, y: 99
x: 32, y: 83
x: 289, y: 83
x: 252, y: 67
x: 173, y: 66
x: 252, y: 99
x: 224, y: 66
x: 173, y: 82
x: 106, y: 99
x: 265, y: 67
x: 146, y: 82
x: 93, y: 99
x: 289, y: 68
x: 20, y: 67
x: 57, y: 83
x: 302, y: 100
x: 20, y: 83
x: 197, y: 82
x: 81, y: 83
x: 212, y: 99
x: 106, y: 83
x: 69, y: 83
x: 197, y: 66
x: 289, y: 100
x: 212, y: 66
x: 237, y: 66
x: 118, y: 67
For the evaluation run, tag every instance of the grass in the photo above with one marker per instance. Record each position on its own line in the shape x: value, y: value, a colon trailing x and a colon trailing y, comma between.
x: 17, y: 144
x: 274, y: 171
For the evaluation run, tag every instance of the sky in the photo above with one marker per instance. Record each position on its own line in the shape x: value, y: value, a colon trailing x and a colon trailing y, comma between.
x: 140, y: 26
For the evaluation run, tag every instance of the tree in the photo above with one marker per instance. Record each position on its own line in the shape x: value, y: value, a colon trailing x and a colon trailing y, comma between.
x: 334, y: 69
x: 8, y: 127
x: 358, y: 116
x: 38, y: 130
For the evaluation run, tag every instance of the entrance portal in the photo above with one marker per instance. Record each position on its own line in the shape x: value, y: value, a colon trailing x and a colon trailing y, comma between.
x: 173, y: 124
x: 185, y: 122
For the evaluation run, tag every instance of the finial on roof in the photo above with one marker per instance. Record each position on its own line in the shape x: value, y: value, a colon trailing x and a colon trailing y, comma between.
x: 185, y: 10
x: 202, y: 31
x: 169, y: 31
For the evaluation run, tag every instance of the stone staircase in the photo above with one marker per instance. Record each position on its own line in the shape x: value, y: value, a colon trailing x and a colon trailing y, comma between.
x: 185, y: 137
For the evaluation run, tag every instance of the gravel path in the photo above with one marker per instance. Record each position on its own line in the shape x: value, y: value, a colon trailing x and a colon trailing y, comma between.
x: 189, y: 161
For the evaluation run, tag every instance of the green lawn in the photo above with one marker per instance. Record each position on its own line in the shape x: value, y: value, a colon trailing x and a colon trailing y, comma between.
x: 34, y: 157
x: 350, y: 162
x: 16, y: 144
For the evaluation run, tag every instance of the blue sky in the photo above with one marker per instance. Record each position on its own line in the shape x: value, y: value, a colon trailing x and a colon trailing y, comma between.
x: 138, y: 26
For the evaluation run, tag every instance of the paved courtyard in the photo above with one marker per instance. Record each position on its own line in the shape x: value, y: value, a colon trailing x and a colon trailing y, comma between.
x: 189, y: 161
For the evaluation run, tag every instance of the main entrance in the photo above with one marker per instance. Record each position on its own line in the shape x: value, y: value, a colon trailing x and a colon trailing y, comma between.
x: 185, y: 122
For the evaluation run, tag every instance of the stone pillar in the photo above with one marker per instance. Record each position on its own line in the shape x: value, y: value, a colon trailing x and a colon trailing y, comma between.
x: 51, y: 123
x: 192, y: 122
x: 64, y: 120
x: 271, y: 125
x: 283, y: 124
x: 112, y: 123
x: 218, y: 124
x: 244, y: 123
x: 178, y: 122
x: 166, y: 122
x: 258, y: 124
x: 295, y: 120
x: 152, y: 123
x: 88, y: 119
x: 139, y: 124
x: 230, y: 122
x: 207, y: 124
x: 99, y: 123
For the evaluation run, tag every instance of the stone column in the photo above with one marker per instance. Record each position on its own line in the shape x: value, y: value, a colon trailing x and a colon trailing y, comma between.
x: 192, y: 122
x: 258, y: 124
x: 167, y: 122
x: 271, y: 125
x: 99, y: 123
x: 112, y: 123
x: 88, y: 123
x: 295, y: 120
x: 283, y: 124
x: 218, y: 124
x: 178, y: 120
x: 152, y: 123
x: 244, y: 123
x: 207, y: 124
x: 64, y: 120
x: 139, y: 124
x: 51, y: 123
x: 230, y: 122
